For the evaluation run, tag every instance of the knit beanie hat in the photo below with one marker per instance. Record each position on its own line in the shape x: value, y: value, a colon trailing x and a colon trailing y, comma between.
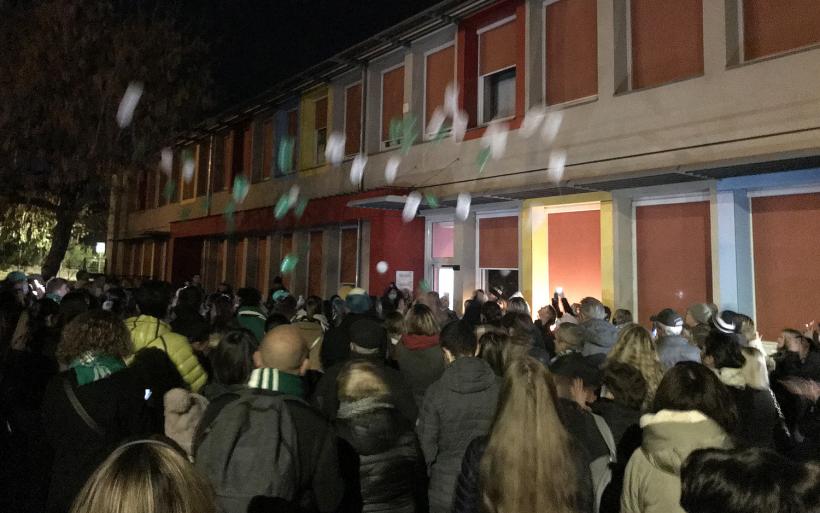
x: 700, y: 312
x: 358, y: 301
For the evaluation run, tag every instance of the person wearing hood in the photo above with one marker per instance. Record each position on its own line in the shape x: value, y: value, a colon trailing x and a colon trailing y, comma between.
x: 743, y: 371
x: 697, y: 323
x: 377, y: 444
x: 250, y: 314
x: 601, y: 335
x: 418, y: 353
x: 672, y: 346
x: 336, y: 343
x: 692, y: 410
x: 457, y: 408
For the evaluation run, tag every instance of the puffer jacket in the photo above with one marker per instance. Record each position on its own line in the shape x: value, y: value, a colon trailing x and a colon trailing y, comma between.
x: 652, y: 482
x: 391, y: 471
x: 147, y: 331
x: 600, y: 336
x: 457, y: 408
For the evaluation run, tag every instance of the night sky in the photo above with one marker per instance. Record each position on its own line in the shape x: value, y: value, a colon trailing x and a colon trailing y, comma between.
x: 256, y: 43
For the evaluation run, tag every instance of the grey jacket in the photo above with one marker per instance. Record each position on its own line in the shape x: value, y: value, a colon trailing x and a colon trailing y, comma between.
x: 457, y: 408
x: 675, y: 348
x: 600, y: 336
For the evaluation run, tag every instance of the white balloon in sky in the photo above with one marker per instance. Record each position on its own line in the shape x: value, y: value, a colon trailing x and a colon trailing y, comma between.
x: 463, y: 205
x: 532, y: 121
x: 188, y: 170
x: 335, y: 148
x: 357, y: 169
x: 391, y: 169
x: 382, y: 267
x: 166, y: 160
x: 558, y: 160
x: 552, y: 125
x: 129, y: 102
x: 411, y: 206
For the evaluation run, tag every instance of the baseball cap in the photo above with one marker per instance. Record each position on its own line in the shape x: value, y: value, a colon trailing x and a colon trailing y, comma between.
x: 668, y: 317
x: 357, y: 301
x: 368, y: 334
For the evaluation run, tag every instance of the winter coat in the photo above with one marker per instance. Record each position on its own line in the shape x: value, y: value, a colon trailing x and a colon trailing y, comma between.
x: 147, y: 331
x: 326, y: 396
x: 618, y: 416
x: 652, y: 483
x: 457, y: 408
x: 600, y: 336
x: 387, y: 457
x: 253, y: 319
x: 183, y: 411
x: 757, y: 413
x: 336, y: 343
x: 673, y: 349
x: 312, y: 335
x: 467, y: 498
x: 420, y: 367
x: 117, y: 404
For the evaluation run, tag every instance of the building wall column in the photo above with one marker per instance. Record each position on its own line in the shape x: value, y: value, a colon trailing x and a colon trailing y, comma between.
x: 464, y: 251
x: 534, y: 42
x: 331, y: 261
x: 624, y: 279
x: 732, y: 266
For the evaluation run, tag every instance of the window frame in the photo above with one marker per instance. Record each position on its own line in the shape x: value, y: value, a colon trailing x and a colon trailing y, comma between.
x: 193, y: 184
x: 481, y: 122
x: 388, y: 145
x: 361, y: 121
x: 429, y: 136
x: 319, y: 156
x: 741, y: 40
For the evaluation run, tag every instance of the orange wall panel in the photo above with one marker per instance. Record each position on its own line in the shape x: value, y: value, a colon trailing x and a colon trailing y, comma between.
x: 787, y: 281
x: 392, y: 99
x: 315, y: 264
x: 775, y: 26
x: 574, y: 253
x: 674, y: 256
x: 439, y: 72
x: 571, y: 34
x: 498, y: 242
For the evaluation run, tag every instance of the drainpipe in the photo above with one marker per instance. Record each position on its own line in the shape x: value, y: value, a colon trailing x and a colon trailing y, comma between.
x: 362, y: 146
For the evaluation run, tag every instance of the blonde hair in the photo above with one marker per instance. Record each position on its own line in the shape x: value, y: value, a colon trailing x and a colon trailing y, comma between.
x: 421, y: 320
x: 146, y: 476
x: 520, y: 476
x: 359, y: 380
x: 754, y: 370
x: 635, y: 347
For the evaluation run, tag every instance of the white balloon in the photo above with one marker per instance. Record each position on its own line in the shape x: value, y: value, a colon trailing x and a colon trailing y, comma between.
x: 188, y: 170
x: 436, y: 122
x: 495, y: 138
x: 463, y: 205
x: 460, y: 121
x: 357, y: 169
x: 558, y: 160
x: 411, y: 206
x: 532, y: 121
x: 129, y: 102
x: 293, y: 194
x: 335, y: 148
x: 451, y: 99
x: 391, y: 169
x: 166, y: 160
x: 552, y: 125
x: 382, y: 267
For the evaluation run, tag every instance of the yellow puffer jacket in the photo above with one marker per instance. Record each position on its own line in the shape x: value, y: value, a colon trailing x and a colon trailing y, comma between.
x: 147, y: 331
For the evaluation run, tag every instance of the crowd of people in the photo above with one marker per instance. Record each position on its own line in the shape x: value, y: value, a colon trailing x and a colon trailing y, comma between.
x: 131, y: 397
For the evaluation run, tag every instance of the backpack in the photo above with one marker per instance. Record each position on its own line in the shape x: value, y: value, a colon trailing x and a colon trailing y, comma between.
x: 251, y: 449
x: 601, y: 467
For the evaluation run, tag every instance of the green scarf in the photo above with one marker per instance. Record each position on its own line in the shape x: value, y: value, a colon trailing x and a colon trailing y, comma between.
x: 277, y: 381
x: 91, y: 367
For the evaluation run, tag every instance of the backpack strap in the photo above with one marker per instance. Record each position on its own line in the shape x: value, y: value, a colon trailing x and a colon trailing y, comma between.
x: 80, y: 409
x: 606, y: 434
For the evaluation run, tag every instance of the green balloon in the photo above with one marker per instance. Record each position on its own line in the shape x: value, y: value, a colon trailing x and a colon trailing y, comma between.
x: 300, y: 207
x: 282, y: 207
x: 289, y: 263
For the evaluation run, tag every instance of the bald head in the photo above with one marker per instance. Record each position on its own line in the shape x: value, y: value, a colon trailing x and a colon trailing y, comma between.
x: 283, y: 349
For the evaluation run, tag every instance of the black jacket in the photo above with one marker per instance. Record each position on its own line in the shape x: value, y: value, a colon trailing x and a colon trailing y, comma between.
x: 757, y: 417
x: 467, y: 497
x: 336, y: 342
x: 326, y: 398
x: 385, y: 456
x: 618, y: 417
x: 117, y: 404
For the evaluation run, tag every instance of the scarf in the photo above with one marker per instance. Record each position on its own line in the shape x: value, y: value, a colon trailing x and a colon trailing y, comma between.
x: 418, y: 342
x: 90, y: 367
x: 277, y: 381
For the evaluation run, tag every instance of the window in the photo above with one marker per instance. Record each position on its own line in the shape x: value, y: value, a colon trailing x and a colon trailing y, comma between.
x: 187, y: 184
x: 443, y: 239
x: 267, y: 149
x: 353, y: 119
x: 292, y: 132
x: 202, y: 168
x: 392, y: 103
x: 349, y: 249
x: 571, y: 50
x: 776, y: 26
x: 227, y: 161
x: 497, y: 53
x: 439, y: 69
x: 667, y: 41
x: 498, y: 254
x: 246, y: 165
x: 320, y: 126
x: 503, y: 282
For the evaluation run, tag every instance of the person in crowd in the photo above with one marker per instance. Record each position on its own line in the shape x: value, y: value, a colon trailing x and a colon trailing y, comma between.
x: 729, y: 322
x: 275, y: 320
x: 795, y: 357
x: 698, y: 323
x: 457, y: 408
x: 116, y: 301
x: 743, y: 371
x: 517, y: 305
x: 312, y: 324
x: 15, y: 297
x: 752, y: 336
x: 242, y: 454
x: 147, y: 475
x: 569, y: 338
x: 636, y: 348
x: 524, y: 332
x: 692, y: 410
x: 187, y: 309
x: 225, y: 288
x: 98, y: 402
x: 369, y: 343
x: 498, y: 350
x: 491, y: 316
x: 391, y: 299
x: 600, y: 334
x: 506, y: 471
x: 795, y: 360
x: 221, y: 316
x: 250, y: 313
x: 622, y: 397
x: 336, y: 342
x: 56, y: 289
x: 750, y: 480
x: 385, y: 455
x: 394, y: 324
x: 622, y: 317
x: 418, y: 353
x: 439, y: 306
x: 231, y: 363
x: 672, y: 346
x: 150, y: 330
x: 546, y: 326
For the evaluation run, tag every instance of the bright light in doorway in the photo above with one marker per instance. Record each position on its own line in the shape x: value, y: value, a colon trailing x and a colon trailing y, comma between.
x: 99, y: 248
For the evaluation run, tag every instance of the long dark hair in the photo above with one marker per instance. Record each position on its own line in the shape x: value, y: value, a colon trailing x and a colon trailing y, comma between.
x: 691, y: 386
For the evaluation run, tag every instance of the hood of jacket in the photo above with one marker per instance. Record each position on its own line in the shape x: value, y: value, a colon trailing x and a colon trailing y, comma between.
x: 669, y: 437
x: 146, y: 329
x: 417, y: 342
x: 468, y: 375
x: 370, y: 428
x: 601, y: 336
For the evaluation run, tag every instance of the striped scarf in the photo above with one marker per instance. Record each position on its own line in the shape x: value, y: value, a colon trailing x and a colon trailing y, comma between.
x: 277, y: 381
x: 90, y: 367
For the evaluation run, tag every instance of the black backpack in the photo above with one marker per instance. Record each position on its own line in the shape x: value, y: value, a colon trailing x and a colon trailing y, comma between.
x: 250, y: 449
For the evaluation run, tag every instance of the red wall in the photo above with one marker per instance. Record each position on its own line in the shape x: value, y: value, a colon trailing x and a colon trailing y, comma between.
x: 575, y: 253
x: 400, y: 245
x: 674, y: 256
x: 787, y: 280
